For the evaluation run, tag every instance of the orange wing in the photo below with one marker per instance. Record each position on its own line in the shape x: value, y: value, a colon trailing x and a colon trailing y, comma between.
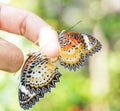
x: 76, y: 48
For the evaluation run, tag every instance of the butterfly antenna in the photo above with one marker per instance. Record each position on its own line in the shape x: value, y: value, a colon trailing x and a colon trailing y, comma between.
x: 73, y: 26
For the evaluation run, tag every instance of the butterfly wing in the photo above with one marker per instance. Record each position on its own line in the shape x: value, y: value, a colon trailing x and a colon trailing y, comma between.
x: 27, y: 99
x: 75, y: 49
x: 92, y: 45
x: 38, y: 76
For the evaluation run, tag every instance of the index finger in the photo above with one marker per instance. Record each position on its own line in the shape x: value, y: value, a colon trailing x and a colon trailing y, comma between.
x: 25, y: 23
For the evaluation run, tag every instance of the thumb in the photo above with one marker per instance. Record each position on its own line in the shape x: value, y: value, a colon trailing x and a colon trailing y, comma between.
x: 48, y: 42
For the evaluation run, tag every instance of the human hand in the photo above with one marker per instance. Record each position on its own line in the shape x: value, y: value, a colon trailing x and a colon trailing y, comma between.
x: 18, y: 21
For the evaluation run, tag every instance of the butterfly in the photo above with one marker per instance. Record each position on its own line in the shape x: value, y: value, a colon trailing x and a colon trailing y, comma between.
x: 75, y: 48
x: 38, y: 76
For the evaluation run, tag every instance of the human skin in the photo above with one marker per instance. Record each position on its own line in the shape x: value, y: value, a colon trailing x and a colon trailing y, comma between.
x: 21, y: 22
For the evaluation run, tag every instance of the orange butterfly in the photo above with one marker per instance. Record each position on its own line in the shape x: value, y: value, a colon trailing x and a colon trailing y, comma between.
x: 39, y: 75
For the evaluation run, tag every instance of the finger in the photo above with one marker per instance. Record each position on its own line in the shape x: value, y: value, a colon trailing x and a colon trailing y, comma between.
x: 49, y: 42
x: 21, y: 22
x: 11, y: 57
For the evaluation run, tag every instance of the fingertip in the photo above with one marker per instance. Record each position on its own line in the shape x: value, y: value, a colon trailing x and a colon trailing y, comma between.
x: 11, y: 57
x: 51, y: 50
x: 48, y: 42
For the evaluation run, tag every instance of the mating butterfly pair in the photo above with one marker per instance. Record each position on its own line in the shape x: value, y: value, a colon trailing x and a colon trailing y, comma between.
x: 39, y: 75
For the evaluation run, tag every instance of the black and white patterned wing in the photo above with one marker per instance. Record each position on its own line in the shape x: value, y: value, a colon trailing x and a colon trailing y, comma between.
x: 38, y: 76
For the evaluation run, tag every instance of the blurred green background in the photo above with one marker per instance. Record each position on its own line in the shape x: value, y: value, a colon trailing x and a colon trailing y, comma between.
x: 94, y: 87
